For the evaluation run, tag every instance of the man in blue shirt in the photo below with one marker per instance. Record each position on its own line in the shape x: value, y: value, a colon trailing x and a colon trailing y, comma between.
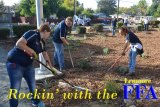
x: 114, y: 23
x: 59, y: 38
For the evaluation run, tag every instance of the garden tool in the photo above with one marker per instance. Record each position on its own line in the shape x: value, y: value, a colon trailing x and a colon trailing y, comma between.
x: 70, y: 56
x: 55, y: 70
x: 117, y: 60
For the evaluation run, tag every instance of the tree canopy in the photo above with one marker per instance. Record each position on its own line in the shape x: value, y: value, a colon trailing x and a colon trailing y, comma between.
x: 107, y: 6
x: 2, y: 8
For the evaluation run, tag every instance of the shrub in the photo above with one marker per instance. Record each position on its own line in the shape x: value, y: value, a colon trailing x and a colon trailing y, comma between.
x: 4, y: 32
x: 154, y: 23
x: 119, y: 24
x: 105, y: 51
x: 84, y: 64
x: 19, y: 30
x: 140, y: 28
x: 81, y: 30
x: 113, y: 87
x: 98, y: 27
x: 122, y: 70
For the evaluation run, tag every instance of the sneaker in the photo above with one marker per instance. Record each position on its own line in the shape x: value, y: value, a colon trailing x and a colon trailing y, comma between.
x: 63, y: 70
x: 40, y: 104
x: 131, y: 74
x: 58, y: 72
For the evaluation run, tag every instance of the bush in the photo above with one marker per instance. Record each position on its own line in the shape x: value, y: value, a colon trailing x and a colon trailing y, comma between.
x: 98, y: 27
x: 154, y: 23
x: 4, y: 32
x: 113, y: 87
x: 119, y: 24
x: 84, y: 64
x: 81, y: 29
x: 19, y: 30
x: 140, y: 28
x: 122, y: 70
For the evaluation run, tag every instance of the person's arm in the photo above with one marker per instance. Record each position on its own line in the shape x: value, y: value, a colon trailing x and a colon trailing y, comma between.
x: 62, y: 35
x: 22, y: 44
x: 64, y: 41
x: 46, y: 57
x: 124, y: 48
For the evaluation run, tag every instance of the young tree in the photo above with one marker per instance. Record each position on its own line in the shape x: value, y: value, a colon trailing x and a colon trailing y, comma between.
x: 107, y: 6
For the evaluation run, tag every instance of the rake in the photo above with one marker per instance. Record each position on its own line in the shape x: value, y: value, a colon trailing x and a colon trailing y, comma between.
x: 53, y: 72
x: 117, y: 60
x: 70, y: 56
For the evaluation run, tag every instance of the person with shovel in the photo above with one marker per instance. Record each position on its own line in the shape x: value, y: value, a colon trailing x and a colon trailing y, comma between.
x: 19, y: 62
x: 59, y: 38
x: 136, y: 48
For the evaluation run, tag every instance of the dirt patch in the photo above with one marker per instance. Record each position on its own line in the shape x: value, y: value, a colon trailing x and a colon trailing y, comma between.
x: 91, y: 48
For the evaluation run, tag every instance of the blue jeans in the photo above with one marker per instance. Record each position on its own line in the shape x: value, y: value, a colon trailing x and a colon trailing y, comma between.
x: 132, y: 60
x: 146, y: 27
x: 59, y: 55
x: 16, y: 72
x: 113, y: 30
x: 125, y: 24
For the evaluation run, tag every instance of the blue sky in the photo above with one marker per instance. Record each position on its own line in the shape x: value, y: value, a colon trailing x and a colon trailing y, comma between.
x: 90, y: 3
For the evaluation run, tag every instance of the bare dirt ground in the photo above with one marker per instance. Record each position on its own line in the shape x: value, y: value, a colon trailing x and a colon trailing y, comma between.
x: 90, y: 48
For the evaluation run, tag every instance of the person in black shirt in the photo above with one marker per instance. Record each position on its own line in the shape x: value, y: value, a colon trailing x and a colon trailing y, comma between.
x: 136, y: 48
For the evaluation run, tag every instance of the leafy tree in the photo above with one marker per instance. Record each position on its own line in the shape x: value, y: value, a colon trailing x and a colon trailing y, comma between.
x: 2, y: 7
x: 134, y: 9
x: 16, y: 9
x: 88, y: 12
x: 51, y: 7
x: 107, y: 6
x: 67, y: 8
x: 142, y: 6
x: 27, y: 8
x: 154, y: 8
x: 124, y: 10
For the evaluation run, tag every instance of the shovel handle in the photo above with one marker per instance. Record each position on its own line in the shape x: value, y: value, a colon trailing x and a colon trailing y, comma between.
x: 52, y: 71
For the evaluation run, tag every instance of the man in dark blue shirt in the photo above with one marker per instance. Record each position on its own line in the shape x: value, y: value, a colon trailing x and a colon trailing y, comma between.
x: 114, y: 23
x: 59, y: 38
